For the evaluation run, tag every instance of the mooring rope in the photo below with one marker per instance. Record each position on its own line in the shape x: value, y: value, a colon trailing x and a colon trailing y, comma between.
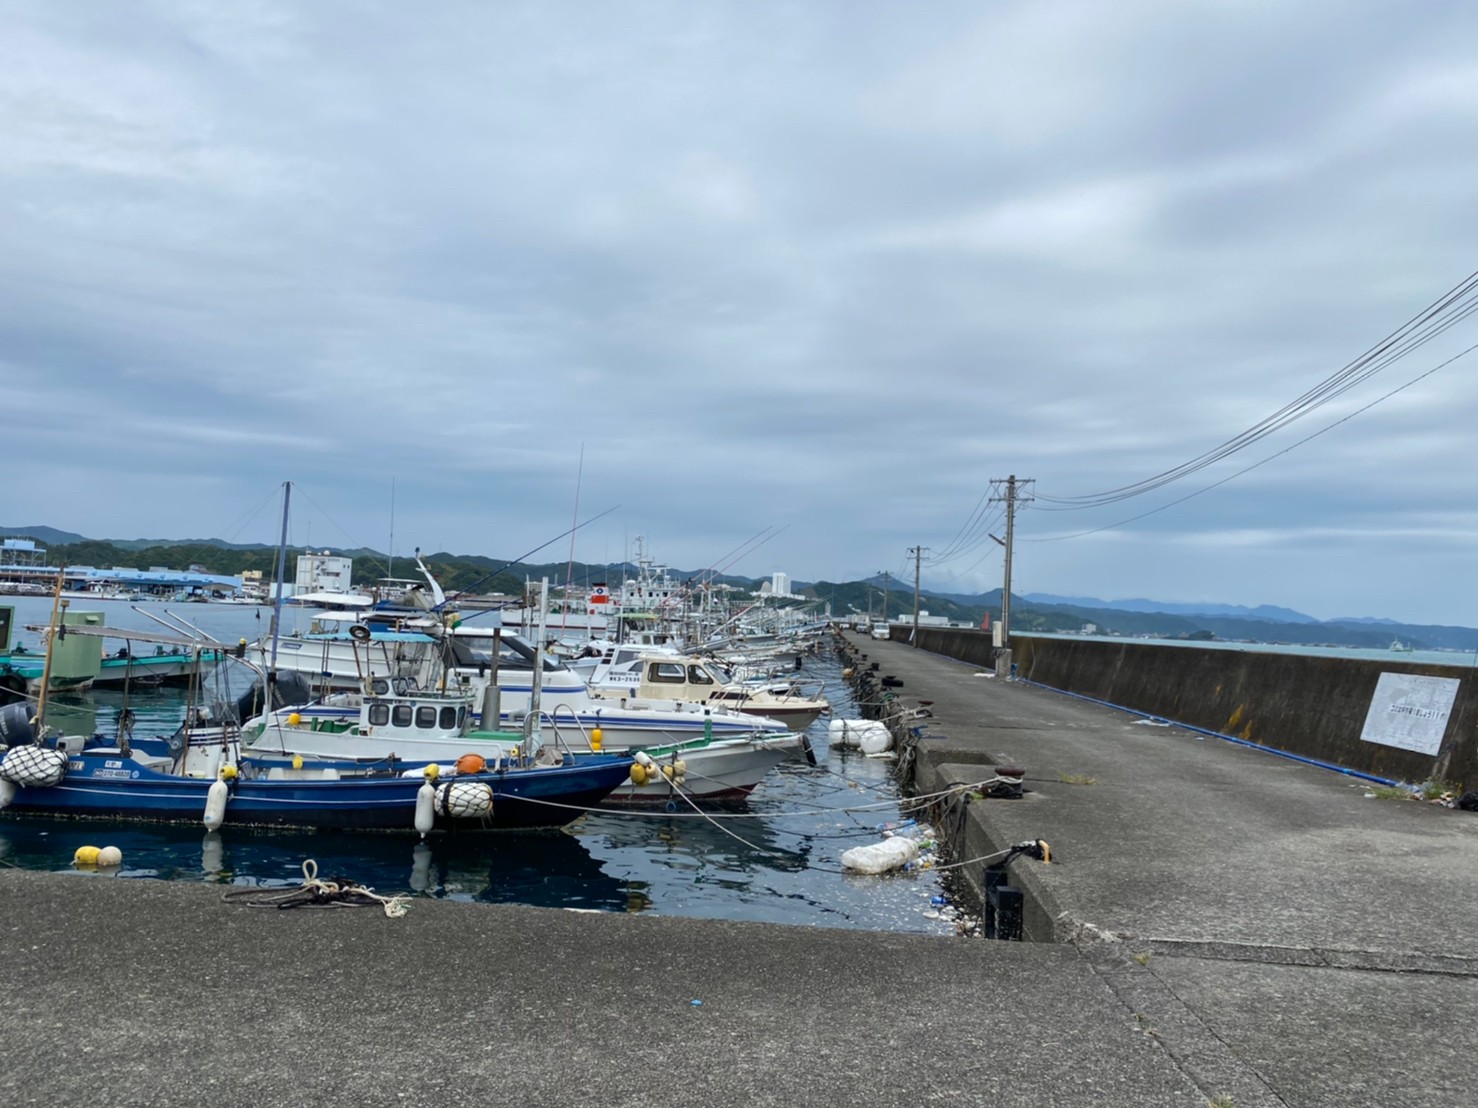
x: 313, y: 893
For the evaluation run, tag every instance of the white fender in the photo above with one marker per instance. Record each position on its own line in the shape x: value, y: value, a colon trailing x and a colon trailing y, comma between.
x: 215, y: 805
x: 425, y: 808
x: 7, y: 792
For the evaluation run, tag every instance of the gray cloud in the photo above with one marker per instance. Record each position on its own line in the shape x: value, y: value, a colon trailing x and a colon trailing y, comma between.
x: 828, y: 267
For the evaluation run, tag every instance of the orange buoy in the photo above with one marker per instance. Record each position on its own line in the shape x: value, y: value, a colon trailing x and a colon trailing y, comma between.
x: 471, y: 763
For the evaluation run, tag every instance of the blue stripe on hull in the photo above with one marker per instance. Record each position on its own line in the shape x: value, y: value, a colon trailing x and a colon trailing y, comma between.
x: 387, y: 803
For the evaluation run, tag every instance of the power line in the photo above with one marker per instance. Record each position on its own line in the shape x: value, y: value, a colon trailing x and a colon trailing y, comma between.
x: 979, y: 535
x: 1447, y: 311
x: 1269, y: 458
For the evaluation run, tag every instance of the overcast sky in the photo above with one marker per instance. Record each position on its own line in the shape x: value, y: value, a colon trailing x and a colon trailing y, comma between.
x: 826, y: 268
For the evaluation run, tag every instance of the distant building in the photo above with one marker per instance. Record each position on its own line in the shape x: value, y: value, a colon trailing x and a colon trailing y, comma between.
x: 21, y: 552
x: 780, y: 584
x: 325, y: 572
x: 925, y: 619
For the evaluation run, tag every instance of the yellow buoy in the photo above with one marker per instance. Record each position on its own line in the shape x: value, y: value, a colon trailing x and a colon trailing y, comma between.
x: 297, y: 761
x: 294, y: 720
x: 638, y: 774
x: 86, y: 856
x: 433, y: 771
x: 668, y: 772
x: 681, y: 766
x: 228, y: 772
x: 595, y: 739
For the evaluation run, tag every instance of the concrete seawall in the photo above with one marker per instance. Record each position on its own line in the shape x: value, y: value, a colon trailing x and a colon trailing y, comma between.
x: 1311, y: 706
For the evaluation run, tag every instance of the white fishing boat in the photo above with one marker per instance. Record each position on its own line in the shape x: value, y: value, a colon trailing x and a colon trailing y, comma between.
x: 398, y: 722
x: 642, y: 675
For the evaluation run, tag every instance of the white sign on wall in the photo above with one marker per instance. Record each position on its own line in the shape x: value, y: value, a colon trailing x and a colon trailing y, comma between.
x: 1409, y: 711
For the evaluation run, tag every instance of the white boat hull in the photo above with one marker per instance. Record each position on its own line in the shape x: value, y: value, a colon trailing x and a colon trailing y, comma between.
x: 725, y: 771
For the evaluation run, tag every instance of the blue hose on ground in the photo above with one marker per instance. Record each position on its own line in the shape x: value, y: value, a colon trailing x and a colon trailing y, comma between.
x: 1218, y: 735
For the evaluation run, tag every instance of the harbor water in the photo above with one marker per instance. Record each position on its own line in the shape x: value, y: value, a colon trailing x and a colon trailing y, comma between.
x: 776, y: 860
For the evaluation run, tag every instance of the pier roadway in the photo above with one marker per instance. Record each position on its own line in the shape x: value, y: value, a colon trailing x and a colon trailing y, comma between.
x: 1290, y: 939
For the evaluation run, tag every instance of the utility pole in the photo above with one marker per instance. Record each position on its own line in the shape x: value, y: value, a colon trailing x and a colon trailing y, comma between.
x: 918, y: 557
x: 1014, y: 493
x: 885, y: 598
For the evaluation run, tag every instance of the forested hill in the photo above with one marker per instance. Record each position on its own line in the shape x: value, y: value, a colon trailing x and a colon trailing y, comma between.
x: 477, y: 573
x: 455, y: 572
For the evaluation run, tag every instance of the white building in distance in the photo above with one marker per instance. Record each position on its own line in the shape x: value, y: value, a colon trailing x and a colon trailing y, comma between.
x: 324, y: 572
x: 780, y: 584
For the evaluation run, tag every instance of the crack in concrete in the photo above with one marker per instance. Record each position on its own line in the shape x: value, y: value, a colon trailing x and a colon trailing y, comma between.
x: 1197, y: 1051
x: 1375, y: 961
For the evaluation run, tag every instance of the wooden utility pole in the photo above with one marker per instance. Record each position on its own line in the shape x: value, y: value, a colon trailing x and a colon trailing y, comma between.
x: 885, y: 598
x: 918, y: 557
x: 1013, y: 494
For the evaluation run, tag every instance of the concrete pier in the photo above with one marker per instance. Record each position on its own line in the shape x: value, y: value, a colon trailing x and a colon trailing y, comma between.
x: 1218, y: 925
x: 1291, y: 939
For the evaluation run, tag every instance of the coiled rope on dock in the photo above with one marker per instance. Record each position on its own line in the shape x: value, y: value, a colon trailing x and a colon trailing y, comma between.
x: 335, y: 892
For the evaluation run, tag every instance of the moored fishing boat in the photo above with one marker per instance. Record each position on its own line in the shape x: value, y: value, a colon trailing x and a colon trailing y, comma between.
x: 399, y: 724
x: 134, y: 785
x: 203, y: 773
x: 643, y: 675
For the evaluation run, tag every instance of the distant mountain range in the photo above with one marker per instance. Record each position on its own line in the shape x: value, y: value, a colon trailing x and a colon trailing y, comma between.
x: 50, y: 536
x: 1141, y: 617
x: 1032, y: 611
x: 1269, y: 612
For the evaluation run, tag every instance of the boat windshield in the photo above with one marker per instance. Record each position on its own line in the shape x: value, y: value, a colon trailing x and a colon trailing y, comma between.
x: 513, y: 653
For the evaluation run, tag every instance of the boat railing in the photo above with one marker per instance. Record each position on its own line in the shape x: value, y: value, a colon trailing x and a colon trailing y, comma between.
x: 798, y: 690
x: 535, y: 721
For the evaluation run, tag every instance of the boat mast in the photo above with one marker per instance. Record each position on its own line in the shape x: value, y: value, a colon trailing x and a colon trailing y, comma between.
x: 287, y: 492
x: 57, y: 603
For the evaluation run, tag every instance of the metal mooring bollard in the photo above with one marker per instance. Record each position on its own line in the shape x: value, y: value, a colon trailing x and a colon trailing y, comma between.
x: 1002, y: 904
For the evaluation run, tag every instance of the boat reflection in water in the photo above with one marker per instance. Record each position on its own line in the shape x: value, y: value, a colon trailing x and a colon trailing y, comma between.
x: 548, y: 869
x: 689, y: 865
x: 727, y: 843
x: 540, y: 868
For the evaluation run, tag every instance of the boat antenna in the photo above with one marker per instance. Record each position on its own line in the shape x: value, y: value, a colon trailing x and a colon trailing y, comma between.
x: 287, y: 492
x: 570, y: 565
x: 390, y: 557
x: 520, y: 558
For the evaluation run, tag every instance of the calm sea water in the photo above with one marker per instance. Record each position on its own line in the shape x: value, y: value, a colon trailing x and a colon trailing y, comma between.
x: 1462, y: 659
x: 777, y: 861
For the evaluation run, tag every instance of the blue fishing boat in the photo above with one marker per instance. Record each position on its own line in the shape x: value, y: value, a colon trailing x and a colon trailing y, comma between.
x: 107, y: 783
x: 202, y: 773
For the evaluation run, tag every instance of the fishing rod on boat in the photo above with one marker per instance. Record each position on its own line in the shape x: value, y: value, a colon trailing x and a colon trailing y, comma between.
x: 754, y: 542
x: 517, y: 561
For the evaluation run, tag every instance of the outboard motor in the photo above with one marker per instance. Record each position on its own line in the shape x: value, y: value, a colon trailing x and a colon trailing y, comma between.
x: 15, y: 726
x: 290, y: 689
